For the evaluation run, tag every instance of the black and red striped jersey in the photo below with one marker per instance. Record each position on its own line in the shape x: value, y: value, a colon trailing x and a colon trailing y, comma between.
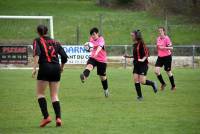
x: 140, y: 51
x: 48, y: 50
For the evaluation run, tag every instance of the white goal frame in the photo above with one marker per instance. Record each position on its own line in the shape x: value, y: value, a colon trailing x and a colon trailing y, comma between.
x: 50, y: 18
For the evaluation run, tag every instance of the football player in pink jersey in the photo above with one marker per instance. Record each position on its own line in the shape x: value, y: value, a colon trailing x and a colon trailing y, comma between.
x: 164, y: 48
x: 97, y: 59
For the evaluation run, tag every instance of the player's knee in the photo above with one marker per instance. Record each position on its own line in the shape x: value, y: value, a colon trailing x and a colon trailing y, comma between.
x: 157, y: 72
x: 143, y: 82
x: 40, y: 96
x: 89, y: 67
x: 54, y: 97
x: 136, y: 80
x: 169, y: 73
x: 103, y: 78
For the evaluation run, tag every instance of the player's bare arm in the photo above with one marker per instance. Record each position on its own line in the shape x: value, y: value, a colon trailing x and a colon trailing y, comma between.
x: 35, y: 63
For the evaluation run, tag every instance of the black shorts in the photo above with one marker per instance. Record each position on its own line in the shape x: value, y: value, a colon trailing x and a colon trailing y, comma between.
x: 140, y: 68
x: 101, y: 67
x: 166, y: 61
x: 49, y: 72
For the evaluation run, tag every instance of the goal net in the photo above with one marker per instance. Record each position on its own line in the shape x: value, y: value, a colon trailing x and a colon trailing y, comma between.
x: 16, y: 37
x: 22, y: 29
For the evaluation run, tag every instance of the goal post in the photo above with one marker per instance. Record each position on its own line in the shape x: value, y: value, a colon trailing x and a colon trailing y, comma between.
x: 49, y: 18
x: 16, y: 36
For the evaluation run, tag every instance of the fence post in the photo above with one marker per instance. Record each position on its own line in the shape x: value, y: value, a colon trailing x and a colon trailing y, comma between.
x: 166, y: 20
x: 193, y: 54
x: 78, y: 35
x: 101, y: 24
x: 125, y: 53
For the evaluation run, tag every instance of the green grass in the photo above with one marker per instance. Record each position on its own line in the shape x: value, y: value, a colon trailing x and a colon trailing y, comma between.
x: 68, y: 14
x: 86, y: 111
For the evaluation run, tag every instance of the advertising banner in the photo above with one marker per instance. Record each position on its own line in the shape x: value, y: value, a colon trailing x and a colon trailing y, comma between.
x: 13, y: 55
x: 77, y: 54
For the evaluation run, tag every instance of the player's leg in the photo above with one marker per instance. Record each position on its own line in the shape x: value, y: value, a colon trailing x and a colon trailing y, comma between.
x: 144, y: 81
x: 171, y: 78
x: 89, y: 67
x: 101, y: 71
x: 142, y: 77
x: 137, y: 86
x: 158, y: 65
x: 167, y: 67
x: 104, y: 83
x: 54, y: 88
x: 41, y: 86
x: 86, y: 72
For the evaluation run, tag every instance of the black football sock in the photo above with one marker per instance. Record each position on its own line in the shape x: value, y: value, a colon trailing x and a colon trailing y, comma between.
x: 56, y: 107
x: 150, y: 83
x: 171, y: 78
x: 138, y: 89
x: 161, y: 79
x: 43, y: 107
x: 104, y: 84
x: 86, y: 73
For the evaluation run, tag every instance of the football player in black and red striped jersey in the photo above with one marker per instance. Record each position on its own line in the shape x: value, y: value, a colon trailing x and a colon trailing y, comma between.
x: 140, y: 62
x: 45, y: 53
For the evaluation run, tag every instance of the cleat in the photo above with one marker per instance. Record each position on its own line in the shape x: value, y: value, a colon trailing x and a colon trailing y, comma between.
x: 163, y: 87
x: 173, y: 88
x: 58, y: 122
x: 82, y: 77
x: 106, y: 93
x: 155, y: 87
x: 139, y: 98
x: 46, y: 121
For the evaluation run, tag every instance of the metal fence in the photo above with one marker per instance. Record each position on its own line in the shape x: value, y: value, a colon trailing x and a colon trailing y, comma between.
x: 183, y: 55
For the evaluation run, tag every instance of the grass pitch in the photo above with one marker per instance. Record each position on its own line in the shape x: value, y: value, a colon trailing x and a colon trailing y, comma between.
x: 85, y: 110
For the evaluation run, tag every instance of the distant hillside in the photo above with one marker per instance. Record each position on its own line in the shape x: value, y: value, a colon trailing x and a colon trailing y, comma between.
x: 69, y: 14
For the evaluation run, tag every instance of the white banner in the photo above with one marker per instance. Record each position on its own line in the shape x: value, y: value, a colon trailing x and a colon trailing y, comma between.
x: 77, y: 54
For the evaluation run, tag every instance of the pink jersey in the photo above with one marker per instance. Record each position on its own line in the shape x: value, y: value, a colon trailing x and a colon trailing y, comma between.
x: 165, y: 42
x: 102, y: 56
